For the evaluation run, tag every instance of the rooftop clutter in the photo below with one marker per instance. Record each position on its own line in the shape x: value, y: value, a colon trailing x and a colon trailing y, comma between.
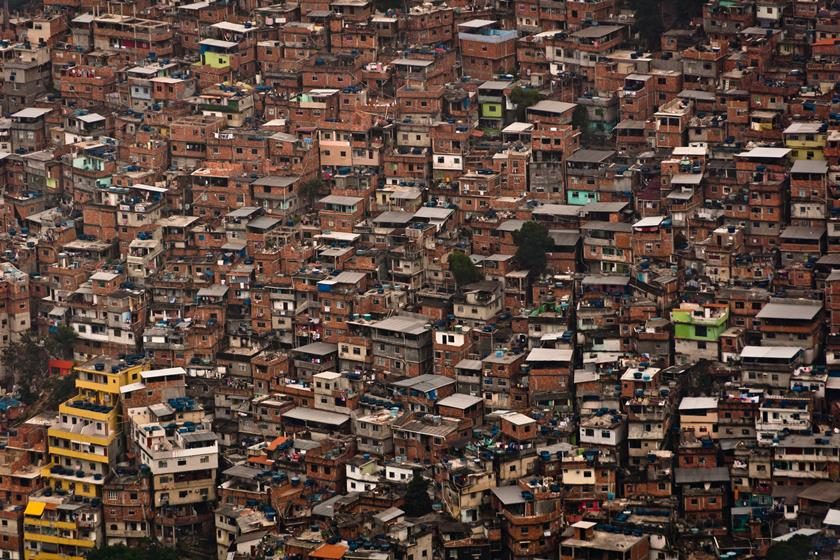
x: 439, y: 281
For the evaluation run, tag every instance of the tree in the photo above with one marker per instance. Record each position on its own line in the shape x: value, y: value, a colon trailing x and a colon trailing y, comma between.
x: 149, y: 551
x: 385, y: 5
x: 311, y: 190
x: 524, y: 98
x: 62, y: 389
x: 26, y: 366
x: 60, y: 343
x: 797, y: 547
x: 25, y: 361
x: 533, y: 242
x: 684, y: 10
x: 580, y: 121
x: 649, y: 22
x: 417, y: 500
x: 463, y: 269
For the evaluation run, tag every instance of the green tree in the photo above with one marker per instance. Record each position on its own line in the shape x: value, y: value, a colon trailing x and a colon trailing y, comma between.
x: 149, y: 551
x: 684, y: 10
x: 417, y: 500
x: 463, y: 269
x: 311, y: 190
x: 60, y: 343
x: 62, y: 389
x: 649, y: 22
x: 26, y: 364
x: 797, y: 547
x: 580, y: 121
x: 533, y: 242
x: 524, y: 98
x: 25, y: 361
x: 385, y: 5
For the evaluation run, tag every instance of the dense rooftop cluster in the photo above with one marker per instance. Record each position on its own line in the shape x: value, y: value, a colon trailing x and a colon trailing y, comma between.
x: 580, y: 285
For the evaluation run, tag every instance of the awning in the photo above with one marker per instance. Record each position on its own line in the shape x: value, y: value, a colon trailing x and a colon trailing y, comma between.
x: 58, y: 311
x: 35, y: 509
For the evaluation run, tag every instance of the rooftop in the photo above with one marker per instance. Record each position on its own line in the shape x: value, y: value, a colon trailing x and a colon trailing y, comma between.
x: 803, y: 310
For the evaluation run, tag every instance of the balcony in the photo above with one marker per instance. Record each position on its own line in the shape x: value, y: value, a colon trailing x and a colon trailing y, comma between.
x: 321, y: 365
x: 54, y: 537
x: 88, y: 409
x: 705, y: 316
x: 829, y: 456
x: 787, y: 471
x: 75, y: 476
x: 172, y: 519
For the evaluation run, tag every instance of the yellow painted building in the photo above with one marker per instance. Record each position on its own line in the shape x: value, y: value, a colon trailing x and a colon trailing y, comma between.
x: 60, y: 527
x: 86, y: 441
x: 215, y: 53
x: 806, y: 139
